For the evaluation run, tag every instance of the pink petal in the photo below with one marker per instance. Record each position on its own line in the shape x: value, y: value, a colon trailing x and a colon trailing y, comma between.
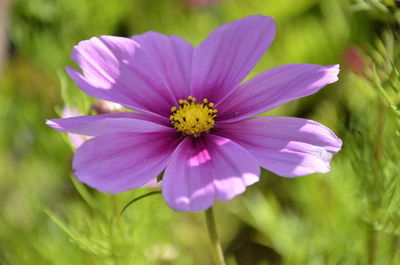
x: 204, y: 169
x: 75, y: 139
x: 117, y: 70
x: 118, y: 162
x: 172, y: 57
x: 95, y: 125
x: 225, y: 58
x: 289, y: 147
x: 275, y: 87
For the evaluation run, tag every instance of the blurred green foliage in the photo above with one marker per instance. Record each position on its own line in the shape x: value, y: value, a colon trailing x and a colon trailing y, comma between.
x: 349, y: 216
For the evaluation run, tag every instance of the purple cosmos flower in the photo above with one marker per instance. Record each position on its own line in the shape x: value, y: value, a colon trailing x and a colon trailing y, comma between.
x: 193, y: 117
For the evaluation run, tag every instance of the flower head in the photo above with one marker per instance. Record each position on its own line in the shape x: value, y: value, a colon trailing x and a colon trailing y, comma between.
x: 193, y: 117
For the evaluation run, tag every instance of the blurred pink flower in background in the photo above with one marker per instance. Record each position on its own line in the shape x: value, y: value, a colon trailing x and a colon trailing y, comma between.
x: 194, y: 118
x: 354, y: 60
x: 204, y: 2
x: 76, y: 140
x: 104, y: 106
x: 100, y: 106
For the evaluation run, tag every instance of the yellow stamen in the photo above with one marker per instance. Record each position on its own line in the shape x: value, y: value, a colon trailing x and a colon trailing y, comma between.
x: 193, y: 118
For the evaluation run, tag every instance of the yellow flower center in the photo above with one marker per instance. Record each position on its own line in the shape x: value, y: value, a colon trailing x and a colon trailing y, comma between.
x: 193, y: 118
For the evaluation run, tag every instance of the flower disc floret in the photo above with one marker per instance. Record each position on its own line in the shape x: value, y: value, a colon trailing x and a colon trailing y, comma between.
x: 192, y: 118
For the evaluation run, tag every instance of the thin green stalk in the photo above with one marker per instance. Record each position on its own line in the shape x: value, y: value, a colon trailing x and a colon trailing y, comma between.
x: 372, y: 245
x: 380, y: 130
x: 378, y: 85
x: 215, y: 243
x: 373, y: 234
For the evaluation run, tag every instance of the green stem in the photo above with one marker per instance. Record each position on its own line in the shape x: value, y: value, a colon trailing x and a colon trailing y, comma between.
x: 215, y: 244
x: 372, y: 245
x: 378, y: 85
x: 373, y: 234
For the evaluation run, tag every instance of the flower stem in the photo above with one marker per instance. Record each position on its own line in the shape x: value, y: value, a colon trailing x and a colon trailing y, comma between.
x: 215, y: 244
x: 372, y: 245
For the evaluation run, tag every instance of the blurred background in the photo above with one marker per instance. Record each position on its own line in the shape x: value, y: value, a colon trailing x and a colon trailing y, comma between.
x: 349, y: 216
